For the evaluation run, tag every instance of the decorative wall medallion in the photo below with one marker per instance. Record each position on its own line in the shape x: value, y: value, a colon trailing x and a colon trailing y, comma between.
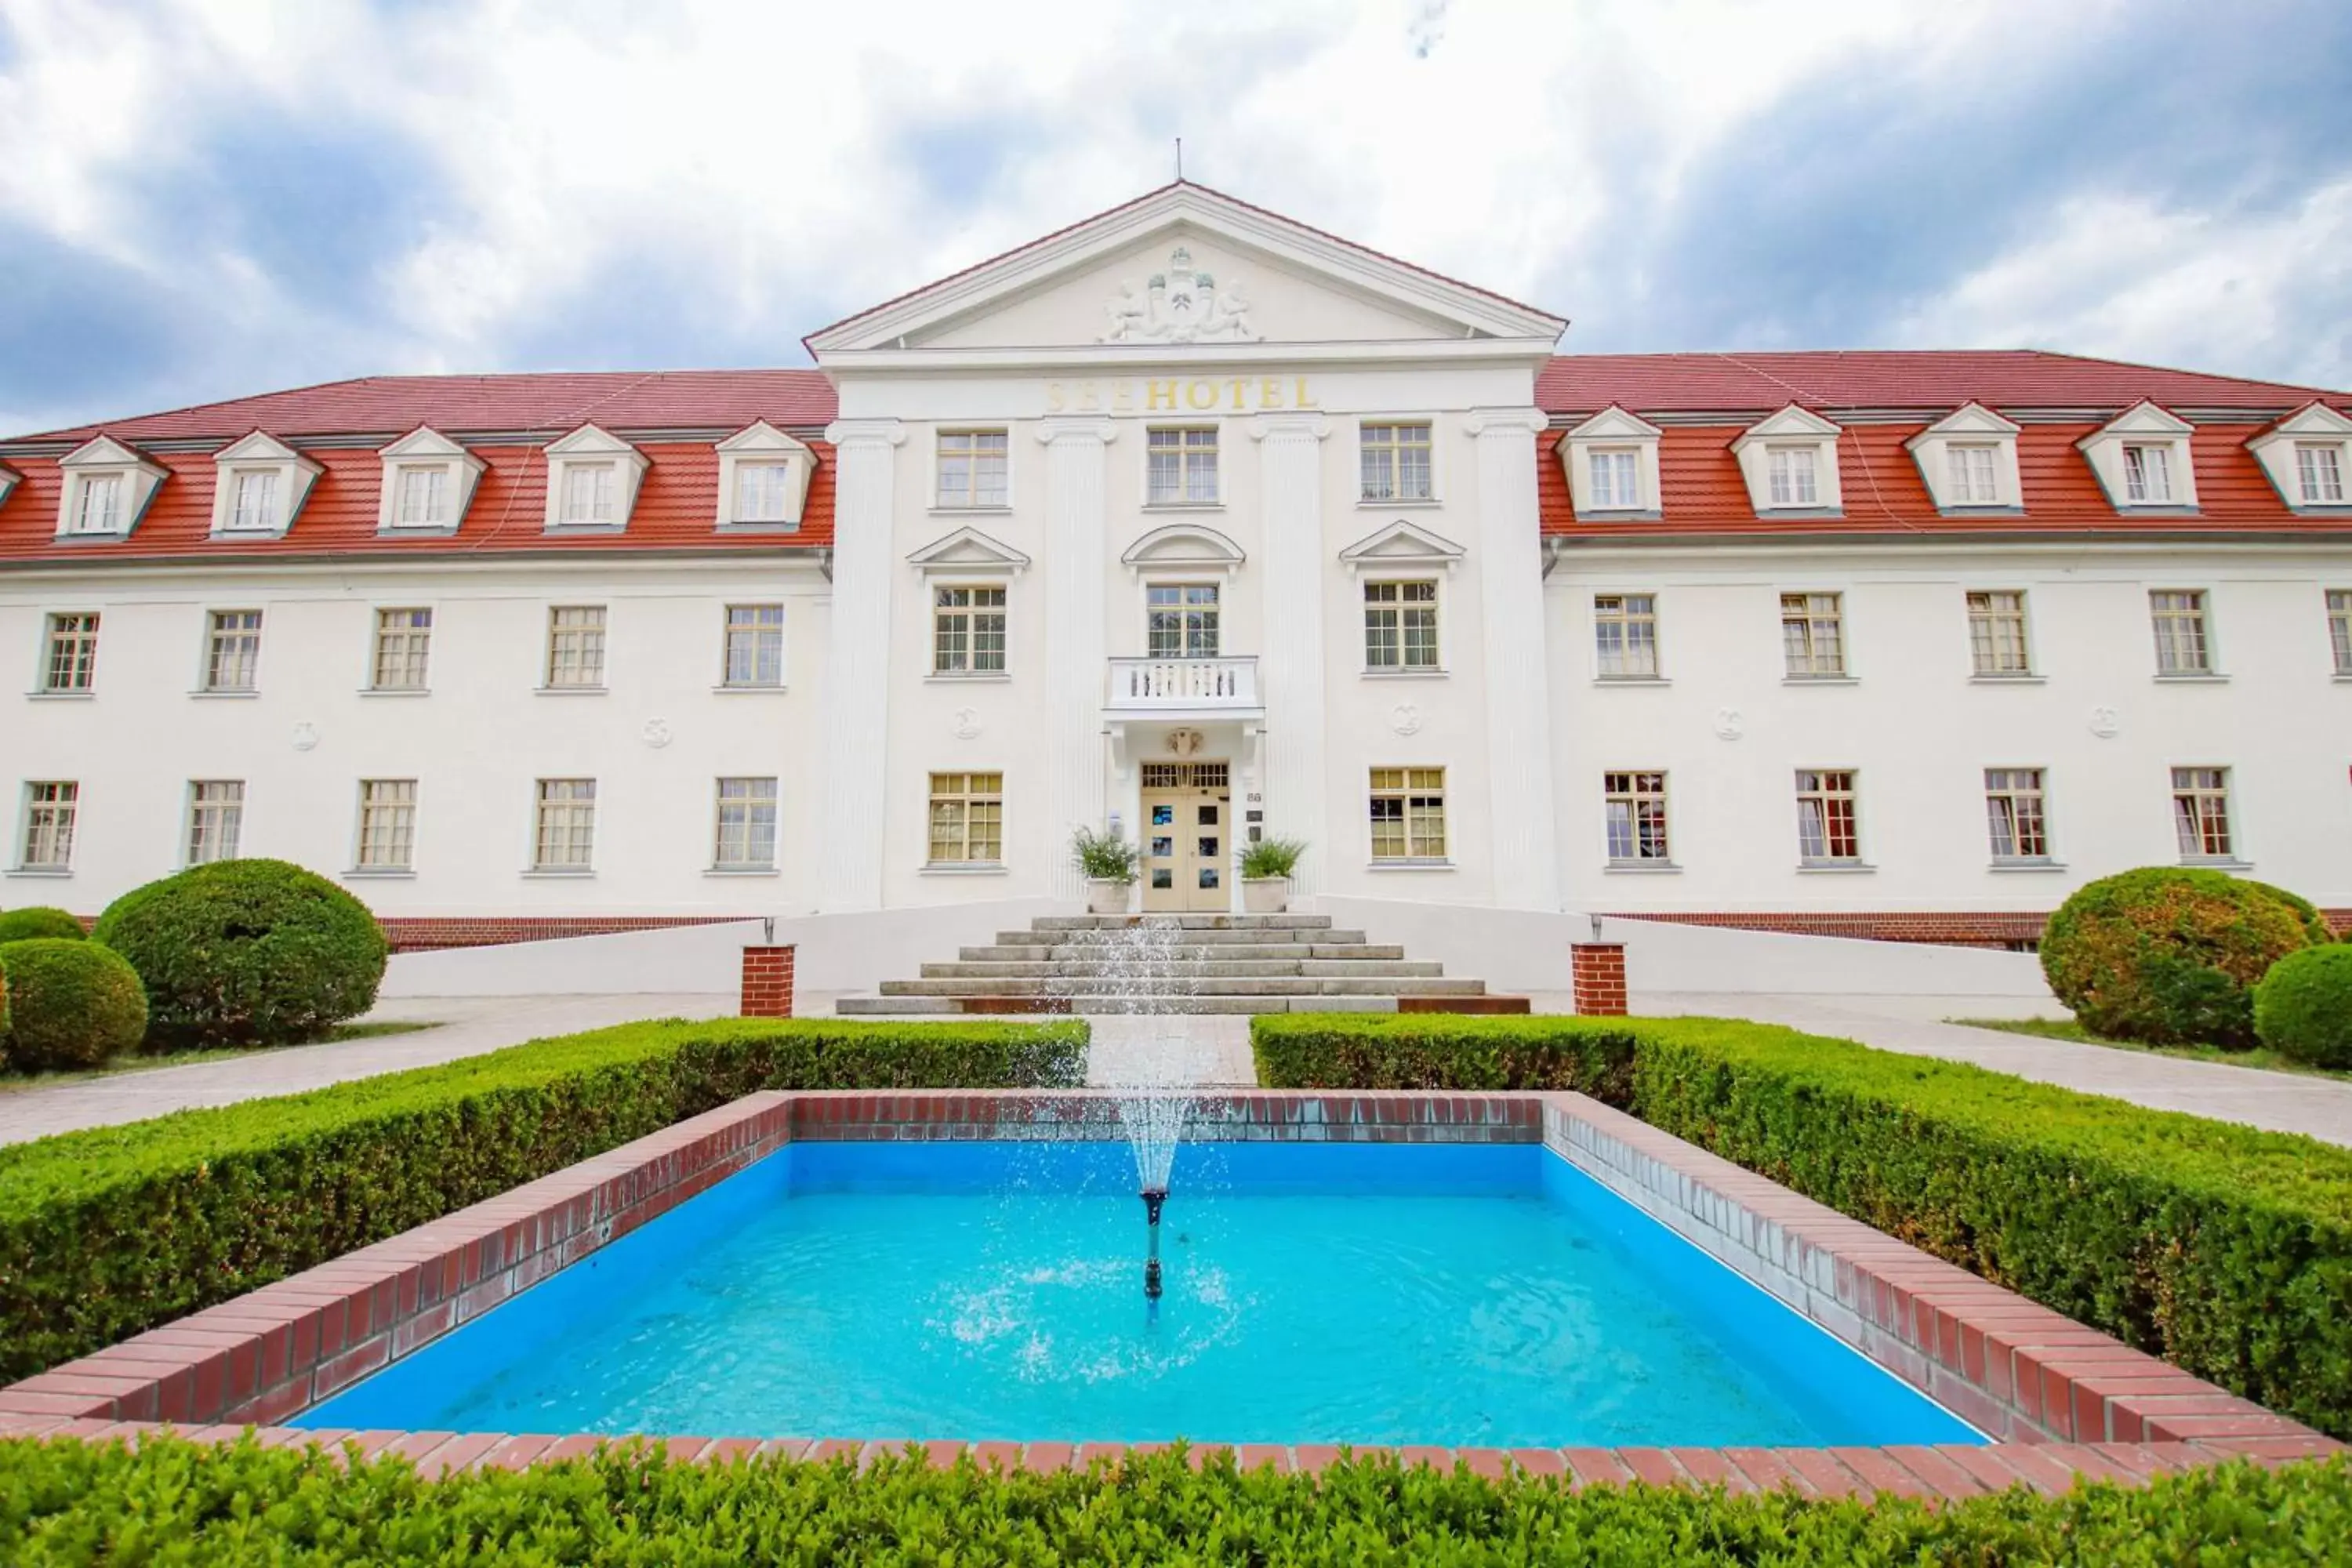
x: 967, y: 723
x: 1179, y: 306
x: 1183, y: 743
x: 2107, y: 723
x: 306, y: 735
x: 1728, y: 724
x: 656, y: 733
x: 1405, y: 719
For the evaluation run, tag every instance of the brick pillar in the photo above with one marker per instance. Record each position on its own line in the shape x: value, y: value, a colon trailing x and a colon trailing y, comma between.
x: 1598, y: 969
x: 768, y: 983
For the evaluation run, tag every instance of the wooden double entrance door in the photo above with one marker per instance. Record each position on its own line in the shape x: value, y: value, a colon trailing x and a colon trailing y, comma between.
x: 1187, y: 837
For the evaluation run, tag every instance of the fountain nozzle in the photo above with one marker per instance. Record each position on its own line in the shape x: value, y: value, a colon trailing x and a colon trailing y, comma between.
x: 1152, y: 1199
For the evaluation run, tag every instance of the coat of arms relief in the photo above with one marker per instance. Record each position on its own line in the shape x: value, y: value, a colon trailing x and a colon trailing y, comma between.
x: 1181, y: 305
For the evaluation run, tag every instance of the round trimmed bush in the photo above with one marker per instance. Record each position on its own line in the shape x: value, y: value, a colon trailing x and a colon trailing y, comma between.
x: 246, y: 953
x: 22, y: 925
x: 2303, y: 1008
x: 71, y: 1004
x: 2169, y: 955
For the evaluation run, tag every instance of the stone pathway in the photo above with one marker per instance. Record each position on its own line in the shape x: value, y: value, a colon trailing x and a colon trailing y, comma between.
x: 469, y: 1027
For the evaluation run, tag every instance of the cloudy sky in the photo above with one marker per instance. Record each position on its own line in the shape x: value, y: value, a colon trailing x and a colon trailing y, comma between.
x: 200, y: 198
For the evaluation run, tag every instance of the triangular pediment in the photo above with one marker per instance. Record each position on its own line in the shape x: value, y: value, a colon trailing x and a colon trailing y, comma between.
x: 1401, y: 543
x: 106, y: 452
x: 2312, y: 418
x: 423, y: 442
x: 967, y: 550
x: 1188, y: 270
x: 258, y: 448
x: 590, y: 441
x: 1792, y: 421
x: 1613, y: 424
x: 2144, y: 418
x: 1968, y: 419
x: 761, y: 437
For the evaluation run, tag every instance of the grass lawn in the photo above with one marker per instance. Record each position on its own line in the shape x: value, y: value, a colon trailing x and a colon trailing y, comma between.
x: 17, y: 1083
x: 2068, y: 1029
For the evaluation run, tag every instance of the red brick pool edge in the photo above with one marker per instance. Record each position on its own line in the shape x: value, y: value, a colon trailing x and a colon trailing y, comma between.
x: 2060, y: 1400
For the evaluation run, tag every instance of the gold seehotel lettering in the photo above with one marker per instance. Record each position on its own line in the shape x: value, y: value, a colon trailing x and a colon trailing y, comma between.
x: 1179, y: 394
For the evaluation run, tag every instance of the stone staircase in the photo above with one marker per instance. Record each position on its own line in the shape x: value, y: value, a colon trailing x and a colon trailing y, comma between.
x: 1182, y: 963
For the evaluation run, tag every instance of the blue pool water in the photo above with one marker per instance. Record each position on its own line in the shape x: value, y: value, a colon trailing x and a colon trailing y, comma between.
x: 1491, y: 1296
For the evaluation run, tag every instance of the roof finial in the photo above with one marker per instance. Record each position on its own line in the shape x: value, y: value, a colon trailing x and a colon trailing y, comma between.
x: 1180, y: 160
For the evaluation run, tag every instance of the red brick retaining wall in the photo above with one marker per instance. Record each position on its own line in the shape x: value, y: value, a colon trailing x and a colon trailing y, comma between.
x: 1597, y: 976
x: 425, y: 934
x: 767, y: 982
x: 1977, y: 928
x: 2061, y: 1400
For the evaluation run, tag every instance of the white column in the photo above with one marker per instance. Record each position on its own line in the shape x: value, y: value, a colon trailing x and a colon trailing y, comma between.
x: 1290, y: 668
x: 1074, y: 528
x: 1519, y: 714
x: 857, y: 663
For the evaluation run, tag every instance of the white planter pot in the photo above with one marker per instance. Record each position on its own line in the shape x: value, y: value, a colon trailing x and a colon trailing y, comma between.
x: 1106, y: 898
x: 1265, y: 895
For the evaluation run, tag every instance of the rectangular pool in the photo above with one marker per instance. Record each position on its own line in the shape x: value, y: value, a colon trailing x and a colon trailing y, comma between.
x: 1484, y: 1295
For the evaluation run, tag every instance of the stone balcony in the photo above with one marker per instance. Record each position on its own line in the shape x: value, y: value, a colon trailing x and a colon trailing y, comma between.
x: 1183, y: 689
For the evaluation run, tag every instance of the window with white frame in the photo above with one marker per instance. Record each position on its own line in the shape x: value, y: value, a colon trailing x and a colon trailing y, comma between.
x: 46, y: 842
x: 2147, y: 473
x: 2319, y: 472
x: 1181, y: 467
x: 1828, y: 821
x: 755, y: 644
x: 215, y: 819
x: 387, y: 830
x: 966, y: 819
x: 1181, y: 620
x: 2339, y: 627
x: 2201, y: 814
x: 2183, y: 644
x: 2014, y: 815
x: 575, y: 646
x: 233, y: 650
x: 404, y: 650
x: 747, y: 825
x: 1400, y: 626
x: 967, y: 629
x: 763, y: 492
x: 99, y: 504
x: 1636, y: 805
x: 563, y: 825
x: 1625, y: 636
x: 1996, y: 633
x: 1972, y: 471
x: 1408, y: 814
x: 1394, y: 462
x: 69, y: 653
x: 1616, y: 476
x: 253, y: 504
x: 1813, y: 635
x: 975, y: 468
x: 424, y: 497
x: 1790, y: 476
x: 591, y: 492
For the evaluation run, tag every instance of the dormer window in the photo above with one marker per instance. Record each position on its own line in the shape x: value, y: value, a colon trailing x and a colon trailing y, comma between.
x: 255, y: 508
x: 589, y: 491
x: 428, y: 482
x: 107, y: 489
x: 9, y: 481
x: 1616, y: 477
x: 591, y: 481
x: 1970, y: 471
x: 1791, y: 469
x: 1790, y: 462
x: 1611, y: 464
x: 2141, y: 461
x: 763, y: 479
x: 259, y: 484
x: 1969, y: 461
x: 2319, y: 472
x: 2307, y: 456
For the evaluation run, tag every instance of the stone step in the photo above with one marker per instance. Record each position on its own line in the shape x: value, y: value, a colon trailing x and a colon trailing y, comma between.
x: 1318, y: 936
x: 1081, y: 986
x: 1218, y: 968
x: 1239, y: 952
x: 1187, y: 923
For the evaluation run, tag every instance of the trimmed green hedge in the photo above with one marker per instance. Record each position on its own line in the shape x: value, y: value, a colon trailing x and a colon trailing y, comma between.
x: 2303, y: 1008
x: 71, y: 1004
x: 109, y: 1232
x: 38, y: 919
x: 2170, y: 955
x: 2226, y: 1250
x: 174, y: 1501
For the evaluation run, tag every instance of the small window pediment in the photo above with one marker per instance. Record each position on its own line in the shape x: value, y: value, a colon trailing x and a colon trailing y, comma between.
x: 1183, y: 546
x: 428, y: 483
x: 1968, y: 460
x: 2142, y: 459
x: 967, y: 550
x: 260, y: 484
x: 763, y: 479
x: 1401, y: 543
x: 1611, y: 464
x: 108, y: 488
x: 2307, y: 457
x: 591, y: 481
x: 1789, y: 461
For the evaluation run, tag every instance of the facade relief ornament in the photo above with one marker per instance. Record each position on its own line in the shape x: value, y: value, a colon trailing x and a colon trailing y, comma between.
x: 2106, y: 722
x: 656, y: 733
x: 1729, y: 726
x: 1179, y: 306
x: 306, y: 735
x: 1183, y: 743
x: 1405, y: 719
x: 967, y: 723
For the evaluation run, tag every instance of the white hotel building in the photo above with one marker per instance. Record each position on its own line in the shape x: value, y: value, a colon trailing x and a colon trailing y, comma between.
x: 1196, y: 522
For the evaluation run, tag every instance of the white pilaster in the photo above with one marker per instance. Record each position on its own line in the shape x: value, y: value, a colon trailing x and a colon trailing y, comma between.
x: 1519, y: 714
x: 1290, y: 670
x: 857, y: 663
x: 1075, y: 527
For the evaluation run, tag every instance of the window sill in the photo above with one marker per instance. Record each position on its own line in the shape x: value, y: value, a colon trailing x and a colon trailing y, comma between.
x: 968, y: 676
x: 2224, y: 863
x: 2024, y: 679
x: 1183, y: 506
x: 757, y: 525
x: 571, y: 690
x: 417, y: 530
x: 395, y: 691
x: 380, y: 873
x: 2343, y: 677
x: 963, y: 868
x: 232, y: 535
x: 2040, y: 864
x: 92, y: 696
x: 2193, y: 677
x: 1820, y: 680
x: 1641, y: 868
x: 1631, y: 680
x: 745, y: 689
x: 1419, y: 674
x: 553, y: 528
x: 942, y: 511
x: 225, y: 696
x: 1369, y: 504
x: 1410, y: 865
x: 559, y: 873
x: 1834, y: 868
x: 37, y: 871
x: 742, y: 872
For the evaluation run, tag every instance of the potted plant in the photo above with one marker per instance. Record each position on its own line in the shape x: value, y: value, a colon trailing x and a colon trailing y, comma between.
x: 1266, y: 867
x: 1107, y: 861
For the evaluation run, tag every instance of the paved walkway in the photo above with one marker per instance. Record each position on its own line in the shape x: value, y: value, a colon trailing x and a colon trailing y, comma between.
x: 469, y: 1027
